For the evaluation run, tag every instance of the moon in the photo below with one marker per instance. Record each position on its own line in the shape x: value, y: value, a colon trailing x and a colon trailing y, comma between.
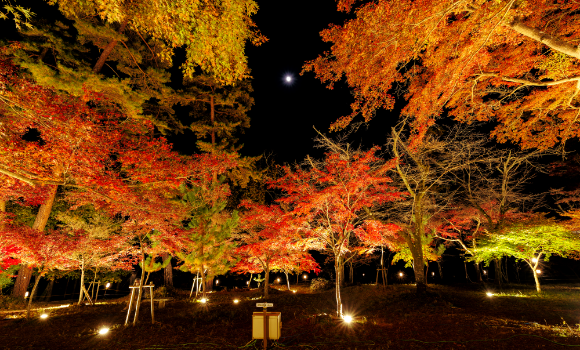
x: 288, y: 79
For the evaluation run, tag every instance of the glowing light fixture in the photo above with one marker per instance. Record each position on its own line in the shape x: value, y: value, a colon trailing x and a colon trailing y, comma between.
x: 277, y: 280
x: 26, y: 295
x: 248, y: 282
x: 432, y: 273
x: 43, y: 316
x: 294, y: 291
x: 305, y: 276
x: 288, y: 79
x: 236, y: 301
x: 363, y: 274
x: 347, y: 319
x: 203, y: 300
x: 534, y: 260
x: 104, y: 330
x: 400, y: 274
x: 538, y: 271
x: 489, y: 294
x: 217, y: 282
x: 107, y: 285
x: 485, y: 272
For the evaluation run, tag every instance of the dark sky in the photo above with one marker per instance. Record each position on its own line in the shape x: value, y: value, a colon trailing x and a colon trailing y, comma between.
x: 283, y: 116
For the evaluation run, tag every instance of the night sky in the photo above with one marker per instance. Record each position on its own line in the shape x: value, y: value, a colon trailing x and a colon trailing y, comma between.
x: 283, y: 116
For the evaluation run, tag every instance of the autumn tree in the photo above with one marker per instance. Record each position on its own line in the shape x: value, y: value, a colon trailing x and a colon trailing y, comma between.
x: 98, y: 155
x: 269, y: 242
x: 533, y: 240
x: 213, y: 33
x: 39, y: 250
x: 99, y: 246
x: 425, y: 170
x: 329, y: 199
x: 511, y: 62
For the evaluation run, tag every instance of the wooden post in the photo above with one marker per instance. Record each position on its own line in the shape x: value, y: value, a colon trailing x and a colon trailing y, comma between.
x: 266, y: 330
x: 138, y: 302
x: 130, y: 305
x: 98, y: 286
x: 152, y: 312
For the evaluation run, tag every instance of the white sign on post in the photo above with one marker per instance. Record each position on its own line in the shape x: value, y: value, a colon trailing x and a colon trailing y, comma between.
x: 264, y: 304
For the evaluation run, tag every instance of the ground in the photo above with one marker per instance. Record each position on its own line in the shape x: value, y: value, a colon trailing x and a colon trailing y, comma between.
x: 448, y: 317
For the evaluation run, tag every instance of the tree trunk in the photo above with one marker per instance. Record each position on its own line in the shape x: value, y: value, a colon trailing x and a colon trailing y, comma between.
x: 203, y: 277
x: 250, y: 281
x: 82, y: 282
x: 497, y: 266
x: 416, y: 247
x: 167, y: 271
x: 209, y: 282
x: 506, y: 276
x: 138, y: 304
x: 287, y: 280
x: 266, y: 280
x: 351, y: 272
x: 553, y: 42
x: 25, y: 272
x: 477, y: 272
x: 439, y: 267
x: 466, y: 274
x: 337, y: 268
x: 47, y: 294
x: 537, y: 279
x: 341, y: 277
x: 32, y: 295
x: 42, y: 54
x: 107, y: 51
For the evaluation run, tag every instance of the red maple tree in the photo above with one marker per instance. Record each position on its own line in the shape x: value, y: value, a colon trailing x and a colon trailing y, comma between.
x: 331, y: 200
x: 511, y: 62
x: 270, y: 242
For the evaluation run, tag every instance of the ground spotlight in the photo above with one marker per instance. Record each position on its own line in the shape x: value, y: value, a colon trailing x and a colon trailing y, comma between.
x: 347, y: 319
x: 236, y: 301
x: 203, y: 300
x: 489, y: 294
x: 44, y: 316
x: 107, y: 285
x: 104, y: 330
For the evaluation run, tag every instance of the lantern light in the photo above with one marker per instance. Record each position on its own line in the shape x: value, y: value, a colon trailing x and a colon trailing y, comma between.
x: 107, y: 285
x: 400, y: 274
x: 217, y: 282
x: 278, y: 280
x: 432, y: 273
x: 26, y: 294
x: 236, y: 301
x: 305, y: 276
